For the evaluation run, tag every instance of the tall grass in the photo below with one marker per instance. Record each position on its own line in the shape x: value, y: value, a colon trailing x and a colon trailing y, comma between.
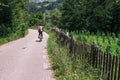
x: 65, y: 67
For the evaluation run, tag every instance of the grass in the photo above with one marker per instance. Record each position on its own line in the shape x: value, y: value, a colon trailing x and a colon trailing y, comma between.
x: 65, y: 67
x: 11, y: 37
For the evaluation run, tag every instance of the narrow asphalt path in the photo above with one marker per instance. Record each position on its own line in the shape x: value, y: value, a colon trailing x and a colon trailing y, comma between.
x: 25, y: 59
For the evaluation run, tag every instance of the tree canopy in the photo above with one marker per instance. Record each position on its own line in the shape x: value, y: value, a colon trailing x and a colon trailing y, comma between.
x: 13, y: 13
x: 93, y: 15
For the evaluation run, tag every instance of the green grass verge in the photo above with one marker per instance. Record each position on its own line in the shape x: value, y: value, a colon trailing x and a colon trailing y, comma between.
x: 11, y: 37
x: 66, y: 68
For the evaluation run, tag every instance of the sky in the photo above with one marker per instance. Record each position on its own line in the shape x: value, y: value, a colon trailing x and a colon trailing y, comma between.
x: 40, y: 0
x: 46, y: 0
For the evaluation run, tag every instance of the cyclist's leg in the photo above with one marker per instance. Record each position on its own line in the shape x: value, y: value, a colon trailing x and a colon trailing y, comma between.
x: 41, y: 34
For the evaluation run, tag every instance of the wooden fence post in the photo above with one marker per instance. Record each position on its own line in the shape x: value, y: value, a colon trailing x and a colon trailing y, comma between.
x: 80, y: 51
x: 94, y: 55
x: 109, y: 66
x: 99, y: 65
x: 100, y: 61
x: 116, y: 68
x: 112, y: 67
x: 72, y: 44
x: 119, y: 69
x: 76, y: 49
x: 103, y: 64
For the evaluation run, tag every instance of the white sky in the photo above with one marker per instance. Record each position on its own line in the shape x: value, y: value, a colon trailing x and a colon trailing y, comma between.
x: 40, y: 0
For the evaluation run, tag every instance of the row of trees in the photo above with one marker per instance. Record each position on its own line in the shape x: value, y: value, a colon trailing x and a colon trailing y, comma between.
x: 52, y: 17
x: 93, y: 15
x: 47, y: 13
x: 13, y: 17
x: 45, y: 5
x: 36, y: 19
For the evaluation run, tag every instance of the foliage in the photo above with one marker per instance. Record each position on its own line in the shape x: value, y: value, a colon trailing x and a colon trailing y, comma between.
x: 52, y: 18
x: 45, y: 5
x: 108, y: 43
x: 49, y: 12
x: 64, y: 66
x: 36, y: 19
x: 13, y: 13
x: 93, y: 15
x: 100, y: 17
x: 14, y: 19
x: 115, y: 25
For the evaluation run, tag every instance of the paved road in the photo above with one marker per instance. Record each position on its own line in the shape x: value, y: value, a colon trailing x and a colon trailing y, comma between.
x: 25, y: 59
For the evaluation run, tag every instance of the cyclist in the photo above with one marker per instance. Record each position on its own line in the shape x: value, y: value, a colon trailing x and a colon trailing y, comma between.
x: 40, y: 30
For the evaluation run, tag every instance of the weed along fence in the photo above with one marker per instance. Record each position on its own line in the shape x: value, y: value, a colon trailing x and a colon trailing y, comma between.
x: 108, y: 65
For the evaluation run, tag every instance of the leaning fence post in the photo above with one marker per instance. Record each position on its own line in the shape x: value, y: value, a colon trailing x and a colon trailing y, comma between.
x: 112, y: 67
x: 116, y: 68
x: 72, y: 44
x: 67, y: 33
x: 109, y: 66
x: 94, y: 55
x: 119, y: 69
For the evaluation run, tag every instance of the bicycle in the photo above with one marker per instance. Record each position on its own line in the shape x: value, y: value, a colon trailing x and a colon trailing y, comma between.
x: 40, y: 36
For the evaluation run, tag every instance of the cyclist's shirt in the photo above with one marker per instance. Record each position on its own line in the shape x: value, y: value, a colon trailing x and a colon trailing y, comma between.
x: 40, y: 28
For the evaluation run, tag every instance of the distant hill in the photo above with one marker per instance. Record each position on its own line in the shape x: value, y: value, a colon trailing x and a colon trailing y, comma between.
x: 45, y: 5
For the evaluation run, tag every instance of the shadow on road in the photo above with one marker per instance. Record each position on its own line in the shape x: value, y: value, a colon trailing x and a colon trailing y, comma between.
x: 38, y: 41
x: 49, y: 68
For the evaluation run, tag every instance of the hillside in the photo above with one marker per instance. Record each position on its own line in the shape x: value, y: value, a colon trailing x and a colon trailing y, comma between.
x: 45, y: 5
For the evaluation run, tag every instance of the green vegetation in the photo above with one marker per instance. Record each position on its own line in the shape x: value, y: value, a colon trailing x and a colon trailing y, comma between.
x: 14, y: 19
x: 99, y: 19
x: 65, y: 67
x: 47, y: 13
x: 109, y: 43
x: 11, y: 37
x: 92, y: 15
x: 52, y: 17
x: 45, y: 5
x: 36, y: 19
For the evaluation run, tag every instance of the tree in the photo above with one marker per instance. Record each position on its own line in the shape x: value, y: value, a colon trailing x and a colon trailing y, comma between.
x: 5, y: 12
x: 12, y: 14
x: 67, y: 15
x: 92, y: 15
x: 115, y: 21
